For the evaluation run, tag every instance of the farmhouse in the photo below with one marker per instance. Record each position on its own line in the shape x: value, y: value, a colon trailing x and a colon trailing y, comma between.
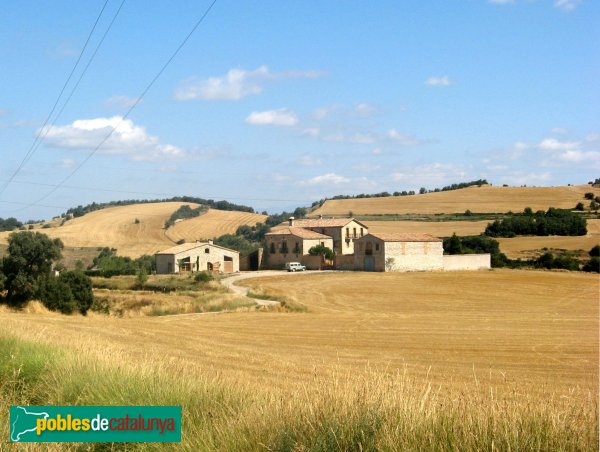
x: 398, y: 252
x: 343, y: 231
x: 291, y: 244
x: 197, y: 256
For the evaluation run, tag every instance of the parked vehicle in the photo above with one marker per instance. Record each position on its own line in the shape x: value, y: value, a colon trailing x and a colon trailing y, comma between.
x: 295, y: 267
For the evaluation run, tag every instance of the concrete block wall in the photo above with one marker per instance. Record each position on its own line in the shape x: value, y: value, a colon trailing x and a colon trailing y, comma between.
x: 467, y: 262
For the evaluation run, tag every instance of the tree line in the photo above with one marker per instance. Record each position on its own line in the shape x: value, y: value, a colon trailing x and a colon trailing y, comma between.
x: 552, y: 222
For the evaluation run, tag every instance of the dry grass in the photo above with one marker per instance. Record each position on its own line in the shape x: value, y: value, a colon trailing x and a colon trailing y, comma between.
x: 436, y: 228
x: 485, y: 199
x: 211, y: 224
x: 115, y: 227
x: 503, y: 359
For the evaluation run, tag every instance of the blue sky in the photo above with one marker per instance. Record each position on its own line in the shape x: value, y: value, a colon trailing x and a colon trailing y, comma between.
x: 275, y: 104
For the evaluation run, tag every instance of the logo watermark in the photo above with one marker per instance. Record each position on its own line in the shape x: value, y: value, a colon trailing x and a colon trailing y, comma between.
x: 95, y: 424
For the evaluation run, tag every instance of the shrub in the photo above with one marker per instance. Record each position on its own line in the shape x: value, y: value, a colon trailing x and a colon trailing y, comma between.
x: 589, y: 195
x: 56, y: 295
x: 579, y: 206
x: 203, y: 277
x: 549, y: 261
x: 593, y: 265
x: 595, y: 251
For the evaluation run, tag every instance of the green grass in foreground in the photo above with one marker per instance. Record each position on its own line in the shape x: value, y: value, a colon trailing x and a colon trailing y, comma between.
x: 370, y: 411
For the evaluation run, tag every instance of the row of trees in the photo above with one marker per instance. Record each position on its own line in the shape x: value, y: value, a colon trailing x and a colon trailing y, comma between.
x: 108, y: 264
x: 26, y: 273
x: 552, y: 222
x: 183, y: 213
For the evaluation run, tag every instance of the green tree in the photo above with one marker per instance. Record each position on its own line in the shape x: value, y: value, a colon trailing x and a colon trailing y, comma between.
x: 30, y: 258
x: 321, y: 250
x: 453, y: 245
x: 81, y: 288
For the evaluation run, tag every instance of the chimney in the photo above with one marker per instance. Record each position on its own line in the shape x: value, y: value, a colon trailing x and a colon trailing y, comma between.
x: 291, y: 222
x: 210, y: 242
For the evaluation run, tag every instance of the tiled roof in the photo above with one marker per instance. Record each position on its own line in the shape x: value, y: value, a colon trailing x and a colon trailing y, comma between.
x: 322, y: 222
x: 190, y: 246
x: 404, y: 237
x: 299, y: 232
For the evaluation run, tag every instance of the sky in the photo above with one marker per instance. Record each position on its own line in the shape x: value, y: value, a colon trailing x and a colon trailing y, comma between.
x: 276, y: 104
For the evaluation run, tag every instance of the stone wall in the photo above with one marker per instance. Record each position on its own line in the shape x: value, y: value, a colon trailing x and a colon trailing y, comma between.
x: 414, y: 256
x: 467, y: 261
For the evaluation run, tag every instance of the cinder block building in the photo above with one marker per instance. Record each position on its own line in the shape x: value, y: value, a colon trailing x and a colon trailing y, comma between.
x: 198, y: 256
x: 398, y: 252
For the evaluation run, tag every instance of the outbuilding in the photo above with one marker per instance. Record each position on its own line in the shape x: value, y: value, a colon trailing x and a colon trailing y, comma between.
x: 198, y: 256
x: 398, y: 252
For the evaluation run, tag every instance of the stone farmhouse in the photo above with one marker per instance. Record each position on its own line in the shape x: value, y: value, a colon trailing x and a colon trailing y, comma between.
x: 356, y: 248
x: 197, y: 256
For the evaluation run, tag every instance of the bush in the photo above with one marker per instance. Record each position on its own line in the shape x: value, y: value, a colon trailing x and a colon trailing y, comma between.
x: 593, y: 265
x: 589, y: 195
x: 595, y: 251
x: 69, y: 292
x: 549, y: 261
x: 579, y: 206
x: 203, y: 277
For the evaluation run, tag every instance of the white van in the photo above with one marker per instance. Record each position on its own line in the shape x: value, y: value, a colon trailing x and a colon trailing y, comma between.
x: 295, y: 267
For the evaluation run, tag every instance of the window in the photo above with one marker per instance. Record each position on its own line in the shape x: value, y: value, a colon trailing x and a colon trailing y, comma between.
x: 297, y: 248
x: 347, y: 232
x: 272, y: 248
x: 284, y: 247
x: 207, y: 250
x: 361, y: 232
x: 354, y: 232
x: 322, y: 243
x: 369, y: 248
x: 377, y: 247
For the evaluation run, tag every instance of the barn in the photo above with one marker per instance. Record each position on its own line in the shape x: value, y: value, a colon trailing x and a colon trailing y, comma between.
x: 197, y: 256
x: 398, y: 252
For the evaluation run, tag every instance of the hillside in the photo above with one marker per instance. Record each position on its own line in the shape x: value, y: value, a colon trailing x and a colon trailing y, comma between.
x: 116, y: 227
x: 213, y: 223
x: 484, y: 199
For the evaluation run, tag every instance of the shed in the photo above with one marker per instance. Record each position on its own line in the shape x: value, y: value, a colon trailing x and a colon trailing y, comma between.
x: 197, y: 256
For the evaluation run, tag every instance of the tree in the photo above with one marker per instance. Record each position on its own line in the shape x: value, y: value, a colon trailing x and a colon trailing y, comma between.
x: 454, y: 246
x: 595, y: 251
x: 321, y: 250
x: 389, y: 263
x: 579, y: 206
x: 30, y: 258
x: 422, y: 190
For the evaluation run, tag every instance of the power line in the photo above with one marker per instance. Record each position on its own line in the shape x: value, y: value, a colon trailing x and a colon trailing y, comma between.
x: 37, y: 138
x: 138, y: 100
x: 45, y: 130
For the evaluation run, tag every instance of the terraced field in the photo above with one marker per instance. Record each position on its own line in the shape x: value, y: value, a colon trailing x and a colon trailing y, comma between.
x: 486, y: 199
x: 211, y: 224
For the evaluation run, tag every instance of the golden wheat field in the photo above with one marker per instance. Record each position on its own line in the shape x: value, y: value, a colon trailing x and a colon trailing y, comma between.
x: 116, y: 227
x: 486, y: 199
x: 538, y: 330
x: 211, y: 224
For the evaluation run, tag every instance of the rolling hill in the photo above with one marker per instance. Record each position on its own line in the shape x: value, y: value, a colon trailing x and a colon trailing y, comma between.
x: 484, y: 199
x: 213, y: 223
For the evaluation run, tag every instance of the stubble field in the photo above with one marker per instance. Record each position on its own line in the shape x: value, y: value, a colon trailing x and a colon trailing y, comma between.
x: 518, y: 349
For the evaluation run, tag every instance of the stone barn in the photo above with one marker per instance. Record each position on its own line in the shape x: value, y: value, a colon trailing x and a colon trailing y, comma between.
x: 382, y: 252
x: 195, y: 257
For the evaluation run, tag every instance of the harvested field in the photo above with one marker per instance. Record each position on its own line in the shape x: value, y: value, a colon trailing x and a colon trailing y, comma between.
x: 526, y: 247
x: 541, y: 332
x: 436, y: 228
x: 116, y: 227
x: 485, y: 199
x: 211, y: 224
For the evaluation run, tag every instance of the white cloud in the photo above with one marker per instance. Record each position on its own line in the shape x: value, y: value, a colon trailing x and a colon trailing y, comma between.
x: 309, y: 160
x: 575, y: 156
x: 366, y: 167
x: 329, y: 178
x: 402, y: 139
x: 121, y: 101
x: 559, y: 130
x: 236, y: 84
x: 552, y: 144
x: 430, y: 175
x: 566, y: 5
x: 67, y: 163
x: 280, y: 117
x: 126, y: 139
x: 521, y: 178
x: 438, y: 81
x: 311, y: 131
x: 364, y: 109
